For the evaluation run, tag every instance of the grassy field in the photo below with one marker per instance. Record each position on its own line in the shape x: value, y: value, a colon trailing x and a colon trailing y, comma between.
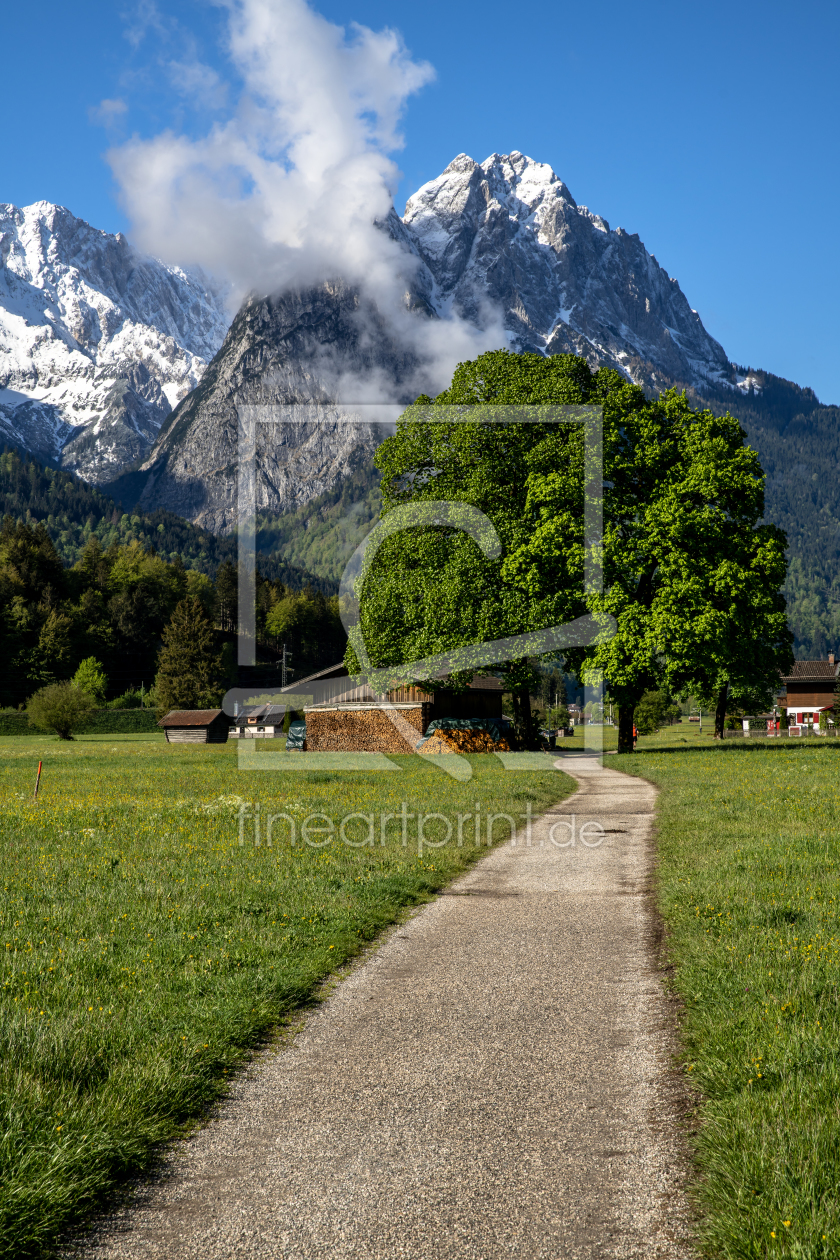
x: 146, y: 948
x: 748, y: 886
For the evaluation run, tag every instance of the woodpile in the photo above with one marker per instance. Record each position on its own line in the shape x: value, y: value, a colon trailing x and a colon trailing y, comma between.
x: 455, y: 741
x: 363, y: 730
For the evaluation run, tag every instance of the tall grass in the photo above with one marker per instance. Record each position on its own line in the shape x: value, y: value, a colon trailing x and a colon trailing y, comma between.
x: 748, y: 885
x: 146, y: 949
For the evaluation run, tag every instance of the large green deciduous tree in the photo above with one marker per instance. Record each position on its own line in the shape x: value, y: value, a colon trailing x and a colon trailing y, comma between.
x: 433, y: 588
x: 690, y: 577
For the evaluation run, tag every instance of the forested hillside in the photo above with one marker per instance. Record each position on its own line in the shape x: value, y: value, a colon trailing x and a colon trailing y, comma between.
x: 798, y: 443
x: 73, y: 512
x: 322, y: 535
x: 114, y: 603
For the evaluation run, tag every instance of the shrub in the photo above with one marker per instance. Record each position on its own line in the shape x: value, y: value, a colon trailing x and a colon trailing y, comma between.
x: 59, y: 707
x: 128, y: 700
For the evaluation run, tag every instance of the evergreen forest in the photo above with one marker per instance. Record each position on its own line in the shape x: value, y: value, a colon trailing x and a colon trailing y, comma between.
x: 115, y: 604
x: 73, y: 512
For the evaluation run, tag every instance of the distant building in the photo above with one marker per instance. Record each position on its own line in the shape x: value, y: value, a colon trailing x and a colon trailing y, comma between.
x: 809, y: 690
x: 263, y: 721
x: 196, y: 726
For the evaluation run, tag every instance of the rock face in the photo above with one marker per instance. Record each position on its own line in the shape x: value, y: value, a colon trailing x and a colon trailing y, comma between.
x: 292, y: 349
x: 508, y: 231
x: 97, y: 344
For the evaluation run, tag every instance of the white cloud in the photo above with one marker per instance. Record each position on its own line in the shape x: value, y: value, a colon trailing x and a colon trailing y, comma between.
x: 141, y: 19
x: 199, y: 82
x: 285, y: 189
x: 107, y: 113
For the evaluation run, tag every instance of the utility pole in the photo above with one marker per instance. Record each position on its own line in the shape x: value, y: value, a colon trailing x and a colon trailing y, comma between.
x: 287, y: 656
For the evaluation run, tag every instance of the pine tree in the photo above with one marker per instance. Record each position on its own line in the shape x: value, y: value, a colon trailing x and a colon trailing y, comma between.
x: 227, y: 593
x: 190, y: 667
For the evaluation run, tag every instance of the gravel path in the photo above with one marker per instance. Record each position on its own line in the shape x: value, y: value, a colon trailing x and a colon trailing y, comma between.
x: 494, y: 1081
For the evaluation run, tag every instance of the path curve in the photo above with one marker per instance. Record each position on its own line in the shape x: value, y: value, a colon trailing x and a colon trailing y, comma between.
x: 494, y: 1081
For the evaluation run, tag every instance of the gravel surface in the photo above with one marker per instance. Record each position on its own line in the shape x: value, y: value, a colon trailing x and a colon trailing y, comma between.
x: 494, y: 1081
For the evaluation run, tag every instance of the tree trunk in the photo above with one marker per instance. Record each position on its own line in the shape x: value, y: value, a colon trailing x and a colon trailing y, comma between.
x: 529, y: 737
x: 517, y: 716
x: 625, y: 728
x: 720, y: 710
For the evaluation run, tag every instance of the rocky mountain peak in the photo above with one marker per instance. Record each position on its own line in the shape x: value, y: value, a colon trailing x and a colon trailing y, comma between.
x: 509, y: 231
x: 97, y: 342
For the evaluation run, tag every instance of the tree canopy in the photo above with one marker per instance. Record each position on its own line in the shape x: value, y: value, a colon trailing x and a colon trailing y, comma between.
x: 690, y: 575
x: 90, y: 677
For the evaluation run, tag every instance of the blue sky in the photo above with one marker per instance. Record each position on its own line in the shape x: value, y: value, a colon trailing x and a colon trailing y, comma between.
x: 711, y: 130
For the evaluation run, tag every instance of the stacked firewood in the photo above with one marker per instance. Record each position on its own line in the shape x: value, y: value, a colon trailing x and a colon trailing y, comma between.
x: 360, y: 730
x: 455, y: 741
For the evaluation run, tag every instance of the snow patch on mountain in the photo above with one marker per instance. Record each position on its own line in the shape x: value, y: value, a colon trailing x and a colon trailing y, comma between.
x: 97, y: 343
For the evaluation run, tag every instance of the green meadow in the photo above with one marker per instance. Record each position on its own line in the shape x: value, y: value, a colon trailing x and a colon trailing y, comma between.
x: 146, y: 950
x: 748, y: 885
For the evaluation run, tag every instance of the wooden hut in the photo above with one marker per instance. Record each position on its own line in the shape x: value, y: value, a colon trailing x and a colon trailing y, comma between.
x: 196, y: 726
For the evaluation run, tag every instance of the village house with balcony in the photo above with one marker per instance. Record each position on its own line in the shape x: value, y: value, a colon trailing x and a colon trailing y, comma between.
x: 809, y: 691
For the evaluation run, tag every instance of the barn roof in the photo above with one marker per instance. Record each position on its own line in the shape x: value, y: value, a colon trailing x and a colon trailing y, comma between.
x: 190, y: 717
x: 340, y: 670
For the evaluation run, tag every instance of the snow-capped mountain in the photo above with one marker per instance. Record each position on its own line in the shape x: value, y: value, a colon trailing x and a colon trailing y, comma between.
x: 509, y: 232
x: 504, y: 235
x: 97, y: 343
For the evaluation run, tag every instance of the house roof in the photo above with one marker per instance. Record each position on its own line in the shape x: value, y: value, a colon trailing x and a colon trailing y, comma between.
x: 808, y: 671
x: 265, y: 713
x: 190, y: 717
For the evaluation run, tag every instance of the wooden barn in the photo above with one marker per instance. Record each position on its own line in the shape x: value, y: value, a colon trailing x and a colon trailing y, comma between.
x: 196, y: 726
x: 346, y: 716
